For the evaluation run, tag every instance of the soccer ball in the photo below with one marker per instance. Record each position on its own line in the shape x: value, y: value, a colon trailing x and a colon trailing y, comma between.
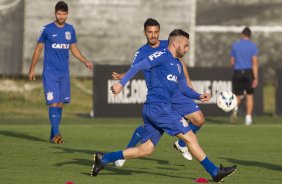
x: 226, y: 101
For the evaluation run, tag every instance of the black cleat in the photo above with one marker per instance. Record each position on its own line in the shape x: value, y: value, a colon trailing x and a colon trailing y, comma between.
x: 223, y: 172
x: 97, y: 166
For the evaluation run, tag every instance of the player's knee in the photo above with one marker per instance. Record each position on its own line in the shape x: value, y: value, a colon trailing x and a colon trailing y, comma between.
x: 199, y: 121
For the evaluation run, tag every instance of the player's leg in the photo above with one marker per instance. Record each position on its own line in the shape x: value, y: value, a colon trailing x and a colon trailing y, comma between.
x: 249, y: 98
x: 191, y: 111
x: 217, y: 173
x: 148, y: 132
x: 51, y: 93
x: 149, y: 139
x: 238, y: 90
x: 135, y: 139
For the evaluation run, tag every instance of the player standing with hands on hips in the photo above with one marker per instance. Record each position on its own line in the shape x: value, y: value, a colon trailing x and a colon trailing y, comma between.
x: 57, y: 38
x: 245, y: 76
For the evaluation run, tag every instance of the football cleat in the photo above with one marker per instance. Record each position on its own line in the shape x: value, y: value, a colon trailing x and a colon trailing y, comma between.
x: 184, y: 151
x: 223, y: 172
x: 57, y: 140
x: 120, y: 163
x: 98, y: 165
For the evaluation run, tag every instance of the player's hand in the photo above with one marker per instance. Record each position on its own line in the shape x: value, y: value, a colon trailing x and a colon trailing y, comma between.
x: 31, y: 75
x: 89, y: 65
x: 116, y: 76
x: 116, y: 88
x: 205, y: 97
x: 255, y: 83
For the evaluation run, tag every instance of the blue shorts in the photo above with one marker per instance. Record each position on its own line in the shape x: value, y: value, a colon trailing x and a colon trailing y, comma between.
x: 159, y: 118
x: 187, y: 107
x: 56, y: 87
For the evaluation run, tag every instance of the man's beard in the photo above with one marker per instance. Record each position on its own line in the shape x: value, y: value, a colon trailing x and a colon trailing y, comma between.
x: 60, y: 23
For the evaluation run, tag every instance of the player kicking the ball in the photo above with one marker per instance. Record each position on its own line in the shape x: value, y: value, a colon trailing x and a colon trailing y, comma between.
x: 158, y: 113
x: 184, y: 105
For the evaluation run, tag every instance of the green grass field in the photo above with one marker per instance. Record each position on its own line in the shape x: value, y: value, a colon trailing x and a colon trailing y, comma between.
x: 27, y: 157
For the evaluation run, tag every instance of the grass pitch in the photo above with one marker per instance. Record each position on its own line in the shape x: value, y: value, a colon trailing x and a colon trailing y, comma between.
x: 28, y: 157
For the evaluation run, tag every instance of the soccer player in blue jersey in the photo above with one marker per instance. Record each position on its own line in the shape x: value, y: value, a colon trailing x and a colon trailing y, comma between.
x: 245, y: 76
x: 184, y: 105
x: 158, y: 113
x: 57, y: 38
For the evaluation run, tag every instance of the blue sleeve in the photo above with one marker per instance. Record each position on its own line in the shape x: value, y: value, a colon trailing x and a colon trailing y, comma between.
x: 73, y: 36
x: 42, y: 36
x: 187, y: 91
x: 137, y: 58
x: 144, y: 64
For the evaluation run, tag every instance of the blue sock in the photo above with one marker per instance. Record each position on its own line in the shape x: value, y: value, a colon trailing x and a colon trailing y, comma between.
x: 111, y: 157
x: 181, y: 143
x: 54, y: 118
x: 51, y: 134
x: 136, y: 137
x: 194, y: 128
x: 60, y: 111
x: 209, y: 166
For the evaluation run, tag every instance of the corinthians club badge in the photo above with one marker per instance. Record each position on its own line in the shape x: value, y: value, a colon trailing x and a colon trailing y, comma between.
x: 68, y: 35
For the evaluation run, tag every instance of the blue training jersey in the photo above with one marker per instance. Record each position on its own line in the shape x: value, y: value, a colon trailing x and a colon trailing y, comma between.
x: 243, y: 51
x: 143, y: 52
x: 57, y: 41
x: 165, y: 73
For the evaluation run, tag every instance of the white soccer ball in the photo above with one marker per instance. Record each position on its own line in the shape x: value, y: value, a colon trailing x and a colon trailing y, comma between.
x: 226, y: 101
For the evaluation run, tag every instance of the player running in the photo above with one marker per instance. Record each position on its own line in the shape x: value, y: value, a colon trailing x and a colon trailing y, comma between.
x: 184, y: 105
x: 57, y: 38
x: 158, y: 113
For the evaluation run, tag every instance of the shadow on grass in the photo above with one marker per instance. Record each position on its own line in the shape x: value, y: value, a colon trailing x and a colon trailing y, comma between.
x: 132, y: 171
x: 264, y: 165
x: 91, y: 152
x: 120, y: 171
x: 21, y: 136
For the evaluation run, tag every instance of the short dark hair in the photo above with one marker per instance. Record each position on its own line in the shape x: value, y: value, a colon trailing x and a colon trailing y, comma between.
x: 178, y: 32
x: 61, y: 5
x: 247, y: 32
x: 151, y: 22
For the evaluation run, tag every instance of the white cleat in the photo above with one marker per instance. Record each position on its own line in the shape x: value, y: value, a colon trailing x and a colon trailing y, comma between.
x: 119, y: 163
x: 184, y: 151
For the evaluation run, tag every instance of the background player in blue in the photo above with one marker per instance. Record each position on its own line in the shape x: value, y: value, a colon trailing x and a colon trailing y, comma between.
x: 185, y: 106
x: 158, y: 115
x: 57, y: 38
x: 245, y: 72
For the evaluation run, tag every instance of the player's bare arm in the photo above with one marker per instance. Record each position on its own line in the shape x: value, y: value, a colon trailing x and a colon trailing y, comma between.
x: 186, y: 74
x: 77, y: 54
x: 255, y: 71
x: 117, y: 76
x: 232, y: 61
x: 35, y: 58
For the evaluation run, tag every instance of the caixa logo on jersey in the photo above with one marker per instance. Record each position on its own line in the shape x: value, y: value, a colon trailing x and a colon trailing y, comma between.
x: 60, y: 46
x: 172, y: 78
x: 155, y: 55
